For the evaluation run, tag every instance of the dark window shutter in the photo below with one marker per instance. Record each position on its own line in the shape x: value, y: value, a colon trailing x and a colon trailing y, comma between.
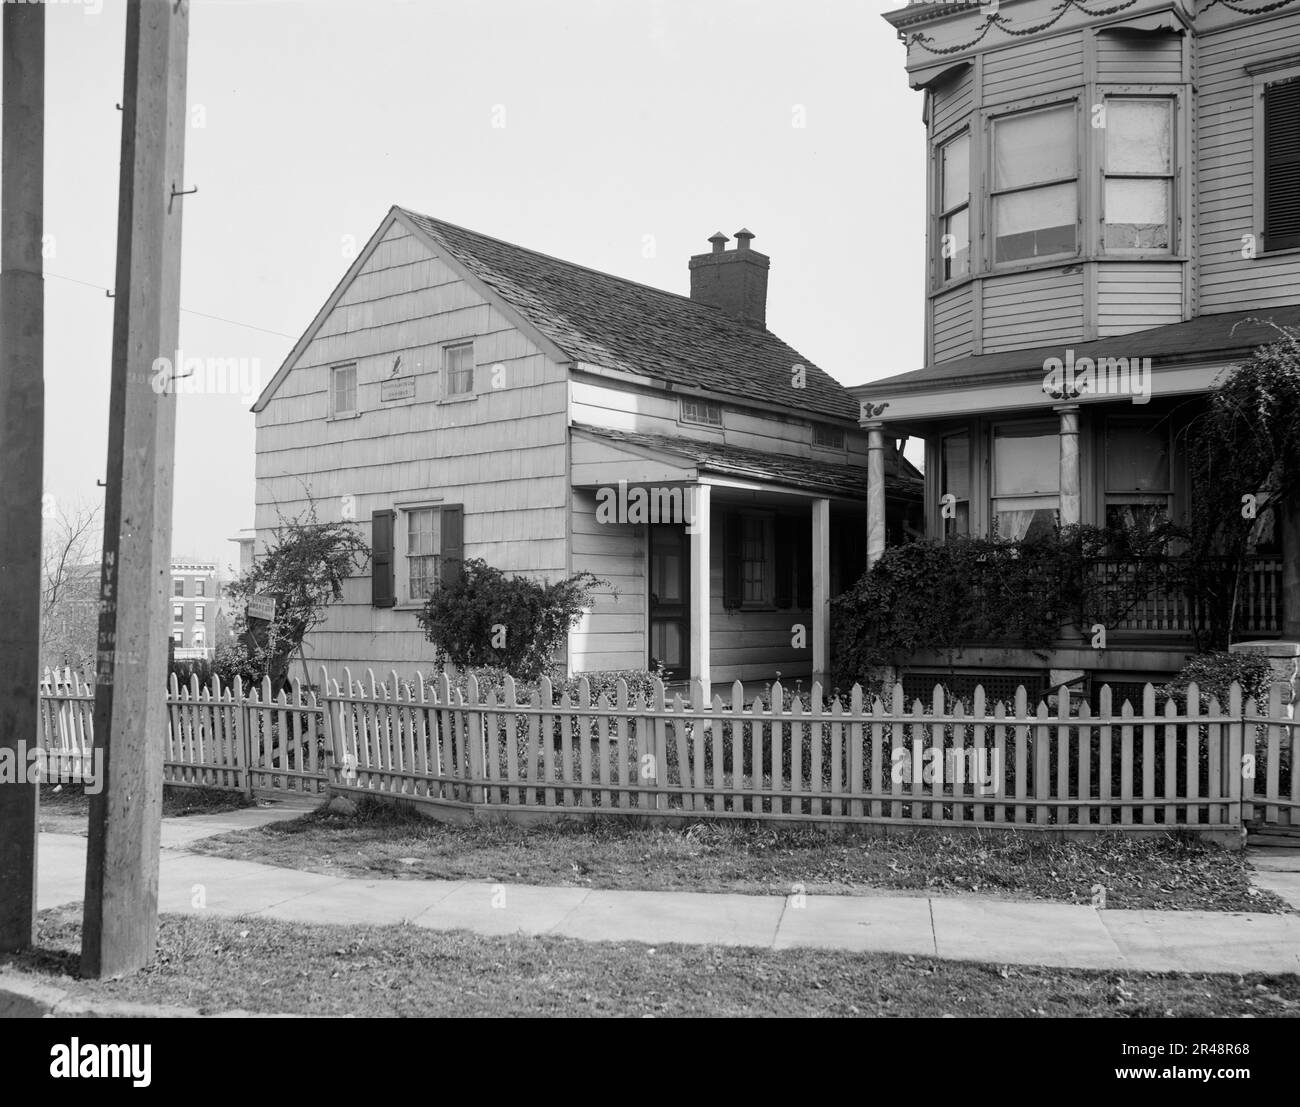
x: 731, y: 560
x: 783, y: 593
x: 1282, y: 165
x: 382, y: 590
x: 453, y: 542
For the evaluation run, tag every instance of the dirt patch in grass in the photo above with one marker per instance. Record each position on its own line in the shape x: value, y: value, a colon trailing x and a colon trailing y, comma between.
x: 65, y: 808
x: 217, y: 964
x: 381, y: 840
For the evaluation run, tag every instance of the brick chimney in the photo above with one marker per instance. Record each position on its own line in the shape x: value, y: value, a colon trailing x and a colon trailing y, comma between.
x: 733, y: 280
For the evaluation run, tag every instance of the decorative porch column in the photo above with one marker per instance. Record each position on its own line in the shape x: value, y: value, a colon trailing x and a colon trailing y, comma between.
x: 875, y: 491
x: 821, y: 591
x: 1071, y: 506
x: 698, y: 532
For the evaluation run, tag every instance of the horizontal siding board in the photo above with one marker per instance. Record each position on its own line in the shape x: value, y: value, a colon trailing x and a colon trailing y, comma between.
x: 1030, y: 69
x: 1023, y: 310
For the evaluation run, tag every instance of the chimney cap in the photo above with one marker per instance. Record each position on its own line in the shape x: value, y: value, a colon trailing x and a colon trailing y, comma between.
x: 719, y: 241
x: 742, y: 238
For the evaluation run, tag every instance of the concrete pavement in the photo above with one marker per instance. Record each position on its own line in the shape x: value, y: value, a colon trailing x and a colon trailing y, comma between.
x: 955, y: 927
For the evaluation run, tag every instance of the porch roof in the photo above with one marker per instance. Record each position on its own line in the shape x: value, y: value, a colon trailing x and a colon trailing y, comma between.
x: 1207, y: 338
x: 800, y: 473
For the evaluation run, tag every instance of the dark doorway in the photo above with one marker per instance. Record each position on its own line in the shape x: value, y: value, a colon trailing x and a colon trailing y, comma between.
x: 670, y: 600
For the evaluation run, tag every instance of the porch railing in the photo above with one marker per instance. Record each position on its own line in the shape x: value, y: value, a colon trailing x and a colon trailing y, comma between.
x: 1152, y: 606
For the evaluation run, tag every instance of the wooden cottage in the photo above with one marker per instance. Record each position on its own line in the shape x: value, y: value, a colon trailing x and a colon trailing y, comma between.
x: 462, y: 397
x: 1114, y: 220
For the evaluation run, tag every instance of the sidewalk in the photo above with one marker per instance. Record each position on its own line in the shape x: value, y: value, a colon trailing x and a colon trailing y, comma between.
x: 955, y: 927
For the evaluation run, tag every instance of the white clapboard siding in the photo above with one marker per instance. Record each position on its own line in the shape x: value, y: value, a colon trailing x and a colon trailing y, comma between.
x: 953, y: 321
x: 1023, y: 310
x: 1140, y: 58
x: 1225, y: 153
x: 612, y: 635
x: 649, y: 411
x: 1025, y: 69
x: 952, y: 100
x: 1135, y: 297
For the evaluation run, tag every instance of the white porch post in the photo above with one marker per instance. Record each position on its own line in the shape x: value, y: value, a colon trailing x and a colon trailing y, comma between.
x: 1071, y: 506
x: 700, y: 598
x: 875, y: 491
x: 821, y: 588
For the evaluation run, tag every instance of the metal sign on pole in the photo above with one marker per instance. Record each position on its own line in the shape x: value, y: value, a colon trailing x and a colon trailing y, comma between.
x: 22, y: 423
x: 121, y: 921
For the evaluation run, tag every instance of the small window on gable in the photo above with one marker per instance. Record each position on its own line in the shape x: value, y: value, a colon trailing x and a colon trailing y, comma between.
x: 458, y: 361
x: 828, y: 438
x: 702, y: 412
x: 343, y: 390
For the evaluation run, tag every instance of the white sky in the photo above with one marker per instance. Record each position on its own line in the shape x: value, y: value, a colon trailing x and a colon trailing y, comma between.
x: 624, y: 119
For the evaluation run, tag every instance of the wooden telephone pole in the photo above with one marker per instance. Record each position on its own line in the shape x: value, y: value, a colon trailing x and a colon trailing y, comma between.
x: 22, y: 434
x: 121, y: 922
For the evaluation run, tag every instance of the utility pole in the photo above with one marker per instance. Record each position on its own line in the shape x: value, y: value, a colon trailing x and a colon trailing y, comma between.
x: 121, y: 911
x: 22, y: 434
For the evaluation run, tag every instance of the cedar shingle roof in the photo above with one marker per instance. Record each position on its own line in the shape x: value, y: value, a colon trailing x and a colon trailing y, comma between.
x: 619, y: 324
x: 809, y: 473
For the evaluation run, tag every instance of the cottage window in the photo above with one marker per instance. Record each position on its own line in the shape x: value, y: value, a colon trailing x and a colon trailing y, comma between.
x: 702, y: 413
x: 1035, y: 184
x: 1026, y: 479
x: 343, y: 390
x: 756, y: 560
x: 828, y: 438
x: 423, y: 547
x: 1281, y: 163
x: 955, y: 480
x: 954, y: 207
x: 1138, y: 491
x: 459, y: 363
x: 178, y: 614
x: 1139, y: 175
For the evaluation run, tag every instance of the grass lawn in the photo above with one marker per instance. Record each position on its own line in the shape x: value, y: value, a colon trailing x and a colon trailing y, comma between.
x: 216, y: 964
x: 381, y: 840
x: 67, y: 809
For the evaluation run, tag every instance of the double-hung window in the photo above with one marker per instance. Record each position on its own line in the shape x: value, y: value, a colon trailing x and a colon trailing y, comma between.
x: 954, y: 207
x: 1026, y: 479
x: 955, y: 480
x: 1138, y: 491
x: 423, y: 551
x: 458, y: 361
x: 1137, y: 198
x: 343, y: 390
x: 755, y: 560
x: 1035, y: 198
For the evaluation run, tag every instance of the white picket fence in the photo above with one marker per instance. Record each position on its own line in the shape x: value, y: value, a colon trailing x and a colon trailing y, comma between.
x: 246, y: 740
x: 1140, y: 768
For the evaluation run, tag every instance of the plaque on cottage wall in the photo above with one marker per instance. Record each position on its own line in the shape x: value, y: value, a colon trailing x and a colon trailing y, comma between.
x: 395, y: 386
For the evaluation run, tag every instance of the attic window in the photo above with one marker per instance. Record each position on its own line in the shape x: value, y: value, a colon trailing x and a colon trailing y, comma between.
x: 702, y: 413
x: 828, y: 438
x: 343, y: 390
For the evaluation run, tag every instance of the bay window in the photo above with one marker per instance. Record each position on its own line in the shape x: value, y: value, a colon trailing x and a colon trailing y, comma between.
x: 1137, y: 196
x: 954, y: 207
x: 1035, y: 198
x: 1026, y: 479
